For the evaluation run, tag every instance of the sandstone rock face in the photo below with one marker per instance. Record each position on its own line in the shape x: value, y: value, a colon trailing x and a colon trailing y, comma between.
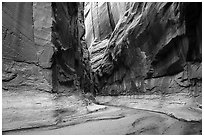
x: 70, y: 64
x: 42, y: 20
x: 145, y: 48
x: 44, y: 47
x: 22, y: 51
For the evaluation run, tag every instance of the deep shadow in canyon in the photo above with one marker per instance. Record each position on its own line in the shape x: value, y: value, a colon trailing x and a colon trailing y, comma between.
x: 70, y: 65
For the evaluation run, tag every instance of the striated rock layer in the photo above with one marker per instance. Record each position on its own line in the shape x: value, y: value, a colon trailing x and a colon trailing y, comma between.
x: 43, y: 47
x: 145, y: 48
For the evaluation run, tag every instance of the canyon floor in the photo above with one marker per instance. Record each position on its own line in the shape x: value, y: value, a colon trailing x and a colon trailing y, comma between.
x: 42, y: 113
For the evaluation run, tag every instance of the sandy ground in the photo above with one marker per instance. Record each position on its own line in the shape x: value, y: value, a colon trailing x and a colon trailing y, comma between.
x: 180, y: 105
x: 119, y: 121
x: 68, y: 116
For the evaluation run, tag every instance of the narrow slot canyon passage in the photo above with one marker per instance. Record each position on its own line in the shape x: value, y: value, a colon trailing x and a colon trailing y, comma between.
x: 102, y: 68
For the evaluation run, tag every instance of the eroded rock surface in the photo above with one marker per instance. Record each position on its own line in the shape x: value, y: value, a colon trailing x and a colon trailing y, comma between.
x: 145, y: 48
x: 20, y: 65
x: 151, y: 51
x: 44, y: 51
x: 119, y: 121
x: 44, y: 47
x: 71, y: 58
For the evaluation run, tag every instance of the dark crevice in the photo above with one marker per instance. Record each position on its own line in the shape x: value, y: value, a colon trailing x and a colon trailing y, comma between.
x: 193, y: 16
x: 111, y: 19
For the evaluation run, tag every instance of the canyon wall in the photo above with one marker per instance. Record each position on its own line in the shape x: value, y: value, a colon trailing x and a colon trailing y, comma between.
x: 43, y: 47
x: 145, y: 48
x: 71, y: 58
x: 134, y: 48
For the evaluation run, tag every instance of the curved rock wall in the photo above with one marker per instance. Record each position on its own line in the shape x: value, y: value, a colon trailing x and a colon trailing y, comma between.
x: 145, y: 47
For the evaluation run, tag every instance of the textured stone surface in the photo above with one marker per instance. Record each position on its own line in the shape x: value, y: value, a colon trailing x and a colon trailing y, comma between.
x: 119, y: 121
x: 70, y: 62
x: 180, y: 105
x: 150, y: 51
x: 44, y: 47
x: 35, y: 109
x: 43, y: 51
x: 153, y: 47
x: 42, y: 20
x: 21, y: 65
x: 17, y: 32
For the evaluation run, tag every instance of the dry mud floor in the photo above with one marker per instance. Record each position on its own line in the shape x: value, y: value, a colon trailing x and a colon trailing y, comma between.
x: 93, y: 120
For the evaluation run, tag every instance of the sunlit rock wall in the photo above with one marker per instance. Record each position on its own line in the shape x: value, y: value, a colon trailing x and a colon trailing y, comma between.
x: 145, y: 48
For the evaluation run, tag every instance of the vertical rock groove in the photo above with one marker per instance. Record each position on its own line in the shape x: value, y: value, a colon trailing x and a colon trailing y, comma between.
x: 98, y: 23
x: 68, y: 33
x: 112, y: 23
x: 92, y: 22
